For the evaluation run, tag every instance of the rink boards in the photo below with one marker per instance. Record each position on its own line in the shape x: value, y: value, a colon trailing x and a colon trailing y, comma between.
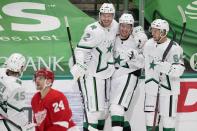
x: 187, y: 104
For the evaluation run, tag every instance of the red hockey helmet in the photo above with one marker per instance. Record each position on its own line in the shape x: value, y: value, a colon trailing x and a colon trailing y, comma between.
x: 48, y: 74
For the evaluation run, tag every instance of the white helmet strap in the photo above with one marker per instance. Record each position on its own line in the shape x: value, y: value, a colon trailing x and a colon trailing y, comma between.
x: 161, y: 37
x: 45, y: 85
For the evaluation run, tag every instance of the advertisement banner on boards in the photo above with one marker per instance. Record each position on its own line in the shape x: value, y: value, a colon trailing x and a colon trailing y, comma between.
x: 37, y: 30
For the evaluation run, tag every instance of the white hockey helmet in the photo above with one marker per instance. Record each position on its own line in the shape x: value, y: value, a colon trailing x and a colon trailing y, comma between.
x: 107, y: 8
x: 160, y: 24
x: 16, y: 62
x: 138, y: 29
x: 126, y: 18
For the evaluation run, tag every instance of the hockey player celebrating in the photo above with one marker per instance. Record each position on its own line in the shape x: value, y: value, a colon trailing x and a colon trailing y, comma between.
x: 162, y: 77
x: 125, y: 77
x: 97, y: 42
x: 50, y: 107
x: 12, y: 95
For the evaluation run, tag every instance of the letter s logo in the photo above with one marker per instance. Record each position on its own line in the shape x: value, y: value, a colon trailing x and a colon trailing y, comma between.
x: 46, y: 23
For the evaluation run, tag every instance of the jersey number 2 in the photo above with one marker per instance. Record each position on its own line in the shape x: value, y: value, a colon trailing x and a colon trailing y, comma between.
x: 58, y: 106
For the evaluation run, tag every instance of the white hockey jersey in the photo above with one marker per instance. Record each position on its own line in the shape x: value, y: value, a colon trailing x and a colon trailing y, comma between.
x: 122, y: 64
x: 12, y: 97
x: 153, y: 53
x: 99, y: 42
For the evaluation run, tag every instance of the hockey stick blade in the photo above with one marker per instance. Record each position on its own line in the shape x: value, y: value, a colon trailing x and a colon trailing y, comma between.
x: 68, y: 30
x: 66, y: 21
x: 182, y: 13
x: 183, y: 21
x: 28, y: 127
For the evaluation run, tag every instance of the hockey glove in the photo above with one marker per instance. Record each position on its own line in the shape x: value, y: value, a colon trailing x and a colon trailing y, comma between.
x: 137, y: 62
x: 163, y: 67
x: 78, y: 70
x: 131, y: 54
x: 140, y: 39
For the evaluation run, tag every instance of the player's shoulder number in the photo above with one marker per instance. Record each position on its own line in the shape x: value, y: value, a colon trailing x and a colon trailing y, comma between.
x: 58, y: 106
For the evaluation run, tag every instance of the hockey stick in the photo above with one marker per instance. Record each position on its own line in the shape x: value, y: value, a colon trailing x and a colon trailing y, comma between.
x: 29, y: 126
x: 159, y: 86
x: 78, y: 81
x: 11, y: 122
x: 16, y: 125
x: 184, y: 22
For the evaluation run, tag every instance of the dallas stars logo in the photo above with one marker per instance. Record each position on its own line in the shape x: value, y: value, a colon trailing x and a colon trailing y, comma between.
x: 93, y: 27
x: 117, y: 60
x: 109, y: 49
x: 152, y: 65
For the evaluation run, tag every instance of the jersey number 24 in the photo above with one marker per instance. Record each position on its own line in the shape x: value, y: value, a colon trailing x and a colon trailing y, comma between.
x: 57, y: 106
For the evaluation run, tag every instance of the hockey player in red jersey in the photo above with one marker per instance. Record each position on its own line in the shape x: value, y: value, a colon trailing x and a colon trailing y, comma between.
x: 50, y: 107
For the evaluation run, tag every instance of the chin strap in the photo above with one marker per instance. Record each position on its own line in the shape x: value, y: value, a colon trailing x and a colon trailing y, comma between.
x: 161, y: 37
x: 20, y: 74
x: 46, y: 85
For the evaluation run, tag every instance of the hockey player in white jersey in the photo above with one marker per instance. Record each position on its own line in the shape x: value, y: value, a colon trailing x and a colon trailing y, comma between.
x: 97, y: 42
x: 163, y: 75
x: 127, y: 50
x: 12, y: 95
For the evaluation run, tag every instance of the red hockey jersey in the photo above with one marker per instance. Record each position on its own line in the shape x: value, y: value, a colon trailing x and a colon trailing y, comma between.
x: 52, y: 113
